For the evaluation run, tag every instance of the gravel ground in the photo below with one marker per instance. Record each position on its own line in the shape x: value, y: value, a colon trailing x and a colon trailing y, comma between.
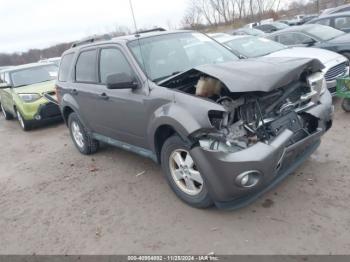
x: 55, y: 201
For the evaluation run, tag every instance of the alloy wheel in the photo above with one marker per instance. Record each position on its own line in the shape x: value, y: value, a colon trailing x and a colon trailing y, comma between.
x: 77, y: 134
x: 184, y: 172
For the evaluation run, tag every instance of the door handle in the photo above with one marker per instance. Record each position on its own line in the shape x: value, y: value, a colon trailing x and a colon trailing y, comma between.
x: 104, y: 96
x: 74, y: 92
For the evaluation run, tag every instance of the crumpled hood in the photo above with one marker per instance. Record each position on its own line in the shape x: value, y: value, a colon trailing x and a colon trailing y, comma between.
x: 323, y: 55
x: 39, y: 88
x: 260, y: 74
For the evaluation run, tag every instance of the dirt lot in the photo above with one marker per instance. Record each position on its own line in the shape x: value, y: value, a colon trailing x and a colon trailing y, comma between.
x: 55, y: 201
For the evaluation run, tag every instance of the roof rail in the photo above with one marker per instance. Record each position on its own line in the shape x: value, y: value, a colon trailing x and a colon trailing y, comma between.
x: 91, y: 40
x: 158, y: 29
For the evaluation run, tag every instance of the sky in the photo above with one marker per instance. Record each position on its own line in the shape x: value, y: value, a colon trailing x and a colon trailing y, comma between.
x: 26, y: 24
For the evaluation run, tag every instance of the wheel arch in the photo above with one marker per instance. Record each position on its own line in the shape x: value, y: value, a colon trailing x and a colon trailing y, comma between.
x: 162, y: 133
x: 66, y: 111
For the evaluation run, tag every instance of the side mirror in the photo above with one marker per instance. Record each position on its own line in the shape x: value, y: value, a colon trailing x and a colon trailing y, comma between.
x: 121, y: 81
x: 5, y: 85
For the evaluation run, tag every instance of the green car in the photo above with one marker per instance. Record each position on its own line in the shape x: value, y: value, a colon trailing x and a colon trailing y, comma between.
x: 23, y: 92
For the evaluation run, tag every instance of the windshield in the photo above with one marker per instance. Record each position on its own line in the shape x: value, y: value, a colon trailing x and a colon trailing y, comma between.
x: 324, y: 33
x: 166, y: 55
x: 34, y: 75
x: 254, y: 46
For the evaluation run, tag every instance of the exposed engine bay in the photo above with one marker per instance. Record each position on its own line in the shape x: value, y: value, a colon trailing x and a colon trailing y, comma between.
x: 250, y: 117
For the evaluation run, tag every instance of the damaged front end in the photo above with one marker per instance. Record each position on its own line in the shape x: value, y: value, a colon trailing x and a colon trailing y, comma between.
x: 259, y: 137
x: 255, y: 117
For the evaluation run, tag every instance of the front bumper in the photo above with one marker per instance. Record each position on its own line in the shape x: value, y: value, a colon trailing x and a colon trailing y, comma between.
x: 42, y: 113
x: 275, y: 161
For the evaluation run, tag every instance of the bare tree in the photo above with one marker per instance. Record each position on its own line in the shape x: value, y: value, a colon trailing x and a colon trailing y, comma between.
x: 193, y: 15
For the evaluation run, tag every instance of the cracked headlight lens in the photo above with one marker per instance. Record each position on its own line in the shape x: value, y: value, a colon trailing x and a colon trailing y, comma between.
x: 29, y: 97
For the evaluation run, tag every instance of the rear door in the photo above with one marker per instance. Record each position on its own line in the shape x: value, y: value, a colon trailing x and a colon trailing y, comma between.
x: 85, y: 87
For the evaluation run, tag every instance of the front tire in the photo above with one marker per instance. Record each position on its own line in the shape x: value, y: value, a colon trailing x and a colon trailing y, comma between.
x: 80, y: 136
x: 346, y: 104
x: 25, y: 125
x: 7, y: 115
x: 182, y: 174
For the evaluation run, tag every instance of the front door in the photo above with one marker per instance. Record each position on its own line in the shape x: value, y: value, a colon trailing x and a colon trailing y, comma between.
x: 117, y: 113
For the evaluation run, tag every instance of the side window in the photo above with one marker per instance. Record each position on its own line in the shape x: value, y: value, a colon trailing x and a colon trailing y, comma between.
x: 85, y: 69
x: 342, y: 23
x: 65, y: 67
x: 326, y: 22
x: 1, y: 78
x: 293, y: 39
x: 112, y: 61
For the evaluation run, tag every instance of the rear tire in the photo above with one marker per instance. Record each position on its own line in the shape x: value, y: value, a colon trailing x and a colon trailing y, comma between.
x: 82, y: 139
x: 7, y: 115
x: 186, y: 181
x: 346, y: 104
x: 25, y: 125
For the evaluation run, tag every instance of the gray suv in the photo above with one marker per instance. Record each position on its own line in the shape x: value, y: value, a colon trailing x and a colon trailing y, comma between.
x: 224, y: 130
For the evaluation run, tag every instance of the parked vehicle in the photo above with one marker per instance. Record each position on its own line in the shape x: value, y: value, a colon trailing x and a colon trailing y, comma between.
x: 335, y: 64
x: 247, y: 31
x: 22, y: 94
x: 224, y: 130
x: 339, y: 9
x: 251, y: 25
x: 313, y: 35
x: 272, y: 27
x: 340, y: 21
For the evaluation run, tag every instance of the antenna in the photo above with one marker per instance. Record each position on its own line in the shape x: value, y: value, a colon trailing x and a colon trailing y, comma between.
x: 138, y: 39
x: 133, y: 15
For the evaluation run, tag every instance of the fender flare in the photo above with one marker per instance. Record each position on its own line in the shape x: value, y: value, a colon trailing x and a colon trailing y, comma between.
x: 173, y: 115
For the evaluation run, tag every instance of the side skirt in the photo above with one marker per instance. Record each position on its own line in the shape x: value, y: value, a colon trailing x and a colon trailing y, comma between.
x: 134, y: 149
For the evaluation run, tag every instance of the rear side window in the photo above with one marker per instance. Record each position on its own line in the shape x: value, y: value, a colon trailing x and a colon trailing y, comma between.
x: 65, y: 67
x: 342, y: 23
x: 112, y: 61
x: 85, y: 69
